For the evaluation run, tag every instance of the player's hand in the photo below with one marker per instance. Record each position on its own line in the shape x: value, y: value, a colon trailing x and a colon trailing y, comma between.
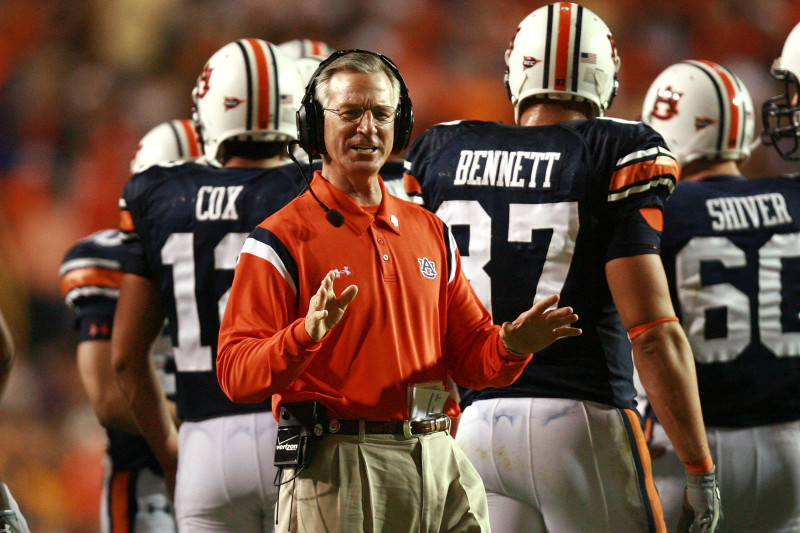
x: 537, y: 327
x: 325, y: 309
x: 702, y: 512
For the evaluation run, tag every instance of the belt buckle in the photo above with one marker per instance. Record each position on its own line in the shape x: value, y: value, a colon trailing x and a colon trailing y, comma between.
x: 447, y: 423
x: 407, y: 429
x: 434, y: 424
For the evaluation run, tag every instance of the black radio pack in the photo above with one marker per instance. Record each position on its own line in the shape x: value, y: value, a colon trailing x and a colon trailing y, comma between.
x: 298, y: 424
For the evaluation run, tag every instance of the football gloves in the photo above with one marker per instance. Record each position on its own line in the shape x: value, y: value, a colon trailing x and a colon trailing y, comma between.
x: 701, y: 504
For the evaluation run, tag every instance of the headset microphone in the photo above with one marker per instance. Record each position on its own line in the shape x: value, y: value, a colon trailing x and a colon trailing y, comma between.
x: 334, y: 216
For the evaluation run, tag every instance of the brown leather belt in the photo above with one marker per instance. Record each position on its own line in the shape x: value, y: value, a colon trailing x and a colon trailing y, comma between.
x: 408, y: 428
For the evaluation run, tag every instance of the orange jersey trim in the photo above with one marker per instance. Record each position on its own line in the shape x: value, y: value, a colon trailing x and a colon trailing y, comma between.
x: 411, y: 185
x: 126, y: 221
x: 90, y: 277
x: 654, y: 217
x: 634, y: 173
x: 120, y: 510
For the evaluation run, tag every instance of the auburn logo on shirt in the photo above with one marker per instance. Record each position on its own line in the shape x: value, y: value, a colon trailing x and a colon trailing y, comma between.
x: 427, y: 267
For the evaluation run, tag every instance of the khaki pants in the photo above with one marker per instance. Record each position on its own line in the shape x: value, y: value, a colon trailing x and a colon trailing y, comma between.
x: 384, y: 483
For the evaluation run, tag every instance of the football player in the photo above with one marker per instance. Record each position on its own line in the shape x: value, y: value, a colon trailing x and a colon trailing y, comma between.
x: 171, y: 141
x: 11, y: 519
x: 186, y: 224
x: 570, y: 202
x: 731, y: 251
x: 134, y: 497
x: 307, y: 54
x: 134, y: 494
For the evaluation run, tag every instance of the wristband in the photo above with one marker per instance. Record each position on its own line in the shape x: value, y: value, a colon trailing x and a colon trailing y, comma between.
x: 641, y: 328
x: 703, y: 466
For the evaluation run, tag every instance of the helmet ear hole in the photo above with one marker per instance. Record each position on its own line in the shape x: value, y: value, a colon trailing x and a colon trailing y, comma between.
x: 310, y: 120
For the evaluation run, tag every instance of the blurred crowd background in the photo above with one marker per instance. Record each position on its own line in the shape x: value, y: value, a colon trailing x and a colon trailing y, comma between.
x: 82, y: 81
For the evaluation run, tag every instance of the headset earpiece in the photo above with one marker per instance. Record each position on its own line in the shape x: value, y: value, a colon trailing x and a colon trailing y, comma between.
x: 310, y: 122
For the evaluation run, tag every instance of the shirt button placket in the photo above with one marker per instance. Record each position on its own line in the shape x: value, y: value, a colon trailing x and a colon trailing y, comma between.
x: 387, y: 265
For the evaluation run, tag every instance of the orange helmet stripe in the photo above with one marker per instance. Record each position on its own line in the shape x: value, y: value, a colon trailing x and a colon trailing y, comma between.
x: 191, y: 136
x: 263, y: 84
x: 562, y: 46
x: 730, y: 89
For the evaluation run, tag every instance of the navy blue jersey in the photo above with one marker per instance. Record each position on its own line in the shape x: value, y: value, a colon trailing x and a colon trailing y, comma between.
x: 90, y: 278
x: 539, y: 211
x: 731, y: 250
x: 186, y: 225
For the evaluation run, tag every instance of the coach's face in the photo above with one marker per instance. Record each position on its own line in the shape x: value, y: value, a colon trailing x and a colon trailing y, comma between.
x: 358, y: 146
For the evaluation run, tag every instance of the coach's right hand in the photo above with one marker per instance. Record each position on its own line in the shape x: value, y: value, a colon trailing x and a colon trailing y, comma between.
x: 325, y: 309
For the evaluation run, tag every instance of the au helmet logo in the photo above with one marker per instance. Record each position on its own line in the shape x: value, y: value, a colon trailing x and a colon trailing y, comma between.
x: 427, y: 267
x: 203, y: 81
x: 666, y: 104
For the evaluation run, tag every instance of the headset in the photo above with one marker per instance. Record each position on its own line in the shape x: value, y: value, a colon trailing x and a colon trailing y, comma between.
x: 310, y: 123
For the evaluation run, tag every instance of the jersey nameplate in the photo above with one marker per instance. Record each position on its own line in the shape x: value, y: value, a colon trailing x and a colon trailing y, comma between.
x: 217, y: 203
x: 748, y: 212
x: 502, y: 168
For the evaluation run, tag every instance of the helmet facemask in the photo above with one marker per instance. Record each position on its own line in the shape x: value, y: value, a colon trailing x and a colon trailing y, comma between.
x: 781, y: 117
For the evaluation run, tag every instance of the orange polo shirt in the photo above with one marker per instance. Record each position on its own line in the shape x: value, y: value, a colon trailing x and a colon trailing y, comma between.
x: 415, y: 318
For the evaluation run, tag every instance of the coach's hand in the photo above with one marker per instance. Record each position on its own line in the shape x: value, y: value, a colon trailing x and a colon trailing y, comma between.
x: 325, y: 309
x: 701, y: 504
x: 537, y: 327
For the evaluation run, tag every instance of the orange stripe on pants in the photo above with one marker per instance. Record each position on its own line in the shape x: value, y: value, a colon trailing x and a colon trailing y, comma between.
x: 649, y: 484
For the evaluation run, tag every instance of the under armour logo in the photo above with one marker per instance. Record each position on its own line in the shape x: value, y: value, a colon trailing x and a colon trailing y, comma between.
x: 427, y: 267
x: 345, y: 270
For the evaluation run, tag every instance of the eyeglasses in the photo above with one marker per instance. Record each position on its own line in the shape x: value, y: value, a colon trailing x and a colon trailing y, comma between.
x: 381, y: 114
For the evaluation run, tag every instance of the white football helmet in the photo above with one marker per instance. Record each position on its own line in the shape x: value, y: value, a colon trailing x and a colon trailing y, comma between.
x: 307, y: 54
x: 298, y: 48
x: 702, y: 110
x: 781, y: 114
x: 174, y: 140
x: 562, y: 51
x: 248, y: 90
